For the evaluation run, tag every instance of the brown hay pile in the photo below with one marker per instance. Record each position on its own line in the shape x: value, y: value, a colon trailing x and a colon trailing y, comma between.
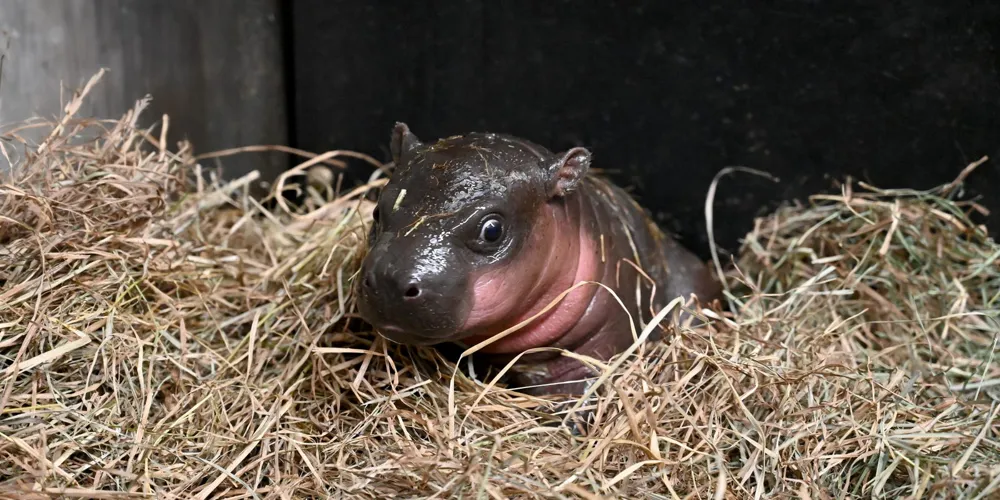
x: 164, y: 338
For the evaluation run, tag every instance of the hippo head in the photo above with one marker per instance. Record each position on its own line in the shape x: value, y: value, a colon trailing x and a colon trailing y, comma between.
x: 460, y: 234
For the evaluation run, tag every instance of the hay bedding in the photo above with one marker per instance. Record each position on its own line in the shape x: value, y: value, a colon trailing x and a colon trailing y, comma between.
x: 166, y: 337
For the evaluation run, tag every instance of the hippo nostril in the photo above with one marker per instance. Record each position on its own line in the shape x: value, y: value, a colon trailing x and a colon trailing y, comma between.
x: 412, y: 291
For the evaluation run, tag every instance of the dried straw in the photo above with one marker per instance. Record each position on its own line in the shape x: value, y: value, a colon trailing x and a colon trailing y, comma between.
x: 164, y: 335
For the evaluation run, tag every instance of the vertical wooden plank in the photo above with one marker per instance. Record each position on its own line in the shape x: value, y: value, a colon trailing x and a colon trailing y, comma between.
x: 215, y: 67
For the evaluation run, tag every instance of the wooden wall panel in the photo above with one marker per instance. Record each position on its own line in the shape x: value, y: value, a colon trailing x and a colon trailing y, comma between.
x: 216, y: 67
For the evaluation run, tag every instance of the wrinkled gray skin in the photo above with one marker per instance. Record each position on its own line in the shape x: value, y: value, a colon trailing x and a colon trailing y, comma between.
x: 427, y: 249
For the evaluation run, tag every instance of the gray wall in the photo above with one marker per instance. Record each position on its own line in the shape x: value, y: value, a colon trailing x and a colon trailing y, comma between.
x: 214, y: 66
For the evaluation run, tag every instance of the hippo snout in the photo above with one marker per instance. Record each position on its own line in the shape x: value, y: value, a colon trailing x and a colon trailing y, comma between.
x: 394, y: 286
x: 408, y: 306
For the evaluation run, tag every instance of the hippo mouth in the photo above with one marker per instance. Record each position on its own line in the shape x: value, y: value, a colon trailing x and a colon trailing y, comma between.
x: 399, y: 335
x: 426, y: 323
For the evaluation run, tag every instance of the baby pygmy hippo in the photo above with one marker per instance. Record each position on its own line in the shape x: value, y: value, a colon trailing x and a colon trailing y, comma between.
x: 476, y: 233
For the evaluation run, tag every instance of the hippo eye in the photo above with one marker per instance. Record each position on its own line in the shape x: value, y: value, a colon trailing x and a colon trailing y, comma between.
x: 492, y: 230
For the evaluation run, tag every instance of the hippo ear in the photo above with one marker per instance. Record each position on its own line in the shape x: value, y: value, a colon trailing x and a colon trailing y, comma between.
x: 567, y: 171
x: 402, y: 141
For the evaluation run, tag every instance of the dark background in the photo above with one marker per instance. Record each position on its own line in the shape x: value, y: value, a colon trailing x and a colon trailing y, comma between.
x: 666, y: 94
x: 899, y: 94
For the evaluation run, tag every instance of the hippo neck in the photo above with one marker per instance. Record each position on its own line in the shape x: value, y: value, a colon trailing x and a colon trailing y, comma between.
x: 614, y: 233
x: 621, y: 240
x: 568, y: 255
x: 607, y: 244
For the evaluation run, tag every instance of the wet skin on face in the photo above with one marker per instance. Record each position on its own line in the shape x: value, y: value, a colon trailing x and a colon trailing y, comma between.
x: 474, y: 234
x: 453, y: 212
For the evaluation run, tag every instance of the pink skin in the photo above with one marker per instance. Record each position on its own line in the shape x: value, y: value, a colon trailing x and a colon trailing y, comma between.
x: 505, y: 297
